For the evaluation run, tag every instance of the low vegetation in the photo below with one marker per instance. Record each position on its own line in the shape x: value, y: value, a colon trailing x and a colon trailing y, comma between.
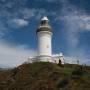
x: 46, y: 76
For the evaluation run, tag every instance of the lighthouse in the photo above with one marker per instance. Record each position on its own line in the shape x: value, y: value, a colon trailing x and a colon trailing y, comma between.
x: 44, y: 36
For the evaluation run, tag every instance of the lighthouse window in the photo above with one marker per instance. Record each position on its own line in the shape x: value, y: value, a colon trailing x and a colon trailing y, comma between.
x: 43, y: 22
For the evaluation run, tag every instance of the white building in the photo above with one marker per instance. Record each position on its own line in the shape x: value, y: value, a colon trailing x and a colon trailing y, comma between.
x: 44, y: 34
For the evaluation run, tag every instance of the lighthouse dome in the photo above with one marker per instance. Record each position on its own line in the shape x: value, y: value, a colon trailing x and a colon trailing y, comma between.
x: 44, y: 18
x: 44, y: 25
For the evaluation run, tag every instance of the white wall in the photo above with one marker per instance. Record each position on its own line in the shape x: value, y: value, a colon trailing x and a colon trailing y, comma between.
x: 44, y: 43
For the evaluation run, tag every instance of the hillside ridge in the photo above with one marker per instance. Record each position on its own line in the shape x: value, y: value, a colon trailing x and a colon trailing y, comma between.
x: 46, y: 76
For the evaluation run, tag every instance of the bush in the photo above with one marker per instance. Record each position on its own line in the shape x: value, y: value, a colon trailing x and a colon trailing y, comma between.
x: 77, y: 72
x: 63, y: 83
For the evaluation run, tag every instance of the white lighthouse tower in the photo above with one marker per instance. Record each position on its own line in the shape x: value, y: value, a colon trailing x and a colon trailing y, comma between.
x: 44, y: 34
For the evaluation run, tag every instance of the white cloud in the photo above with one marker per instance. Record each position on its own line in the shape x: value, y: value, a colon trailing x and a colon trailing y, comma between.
x: 82, y: 21
x: 75, y: 21
x: 77, y: 54
x: 70, y: 59
x: 85, y: 22
x: 73, y: 60
x: 18, y: 23
x: 28, y: 13
x: 13, y: 56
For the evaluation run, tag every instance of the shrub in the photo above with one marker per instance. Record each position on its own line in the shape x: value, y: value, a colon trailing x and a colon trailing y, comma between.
x: 77, y: 72
x: 63, y: 83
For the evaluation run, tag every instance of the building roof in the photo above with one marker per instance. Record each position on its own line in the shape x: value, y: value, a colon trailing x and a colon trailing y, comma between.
x: 44, y: 18
x: 44, y: 25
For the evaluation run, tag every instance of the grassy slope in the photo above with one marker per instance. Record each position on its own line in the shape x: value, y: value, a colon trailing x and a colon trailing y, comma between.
x: 45, y: 76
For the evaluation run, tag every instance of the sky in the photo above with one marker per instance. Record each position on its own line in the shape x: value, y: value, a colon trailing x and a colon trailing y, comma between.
x: 19, y: 20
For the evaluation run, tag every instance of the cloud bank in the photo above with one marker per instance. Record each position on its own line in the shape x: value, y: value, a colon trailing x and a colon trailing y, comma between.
x: 74, y: 21
x: 17, y: 23
x: 11, y: 56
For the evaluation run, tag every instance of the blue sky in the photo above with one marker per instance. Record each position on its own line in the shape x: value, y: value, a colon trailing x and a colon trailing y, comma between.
x: 19, y: 19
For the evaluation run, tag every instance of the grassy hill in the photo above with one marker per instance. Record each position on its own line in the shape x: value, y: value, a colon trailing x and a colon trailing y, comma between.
x: 46, y: 76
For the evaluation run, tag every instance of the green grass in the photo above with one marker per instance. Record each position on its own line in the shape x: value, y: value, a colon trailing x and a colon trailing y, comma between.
x: 45, y: 76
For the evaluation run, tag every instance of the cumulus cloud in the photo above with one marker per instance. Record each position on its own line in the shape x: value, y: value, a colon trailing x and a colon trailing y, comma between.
x: 73, y: 60
x: 28, y: 13
x: 77, y: 54
x: 17, y: 14
x: 9, y: 16
x: 76, y: 24
x: 14, y: 14
x: 81, y: 20
x: 85, y: 22
x: 18, y: 23
x: 75, y: 21
x: 11, y: 56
